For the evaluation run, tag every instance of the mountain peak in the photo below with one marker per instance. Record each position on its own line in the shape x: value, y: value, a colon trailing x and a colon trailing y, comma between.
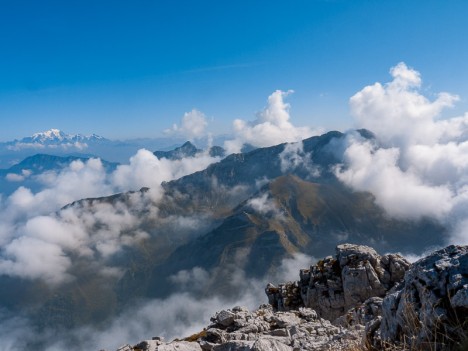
x: 186, y: 150
x: 187, y: 144
x: 56, y: 136
x: 51, y: 134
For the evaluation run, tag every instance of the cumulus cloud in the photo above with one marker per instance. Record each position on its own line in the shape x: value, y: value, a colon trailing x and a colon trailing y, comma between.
x: 402, y: 193
x: 272, y: 126
x: 398, y: 113
x: 417, y: 165
x: 192, y: 126
x: 15, y: 177
x: 146, y: 170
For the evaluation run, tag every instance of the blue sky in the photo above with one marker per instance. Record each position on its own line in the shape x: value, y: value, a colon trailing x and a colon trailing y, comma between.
x: 126, y: 69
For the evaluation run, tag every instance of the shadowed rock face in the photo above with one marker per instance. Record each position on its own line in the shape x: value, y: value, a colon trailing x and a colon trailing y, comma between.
x: 424, y: 305
x: 186, y: 150
x: 336, y: 284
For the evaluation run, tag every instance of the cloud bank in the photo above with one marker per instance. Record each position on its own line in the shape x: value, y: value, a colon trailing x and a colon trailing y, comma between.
x: 37, y: 240
x: 417, y: 166
x: 271, y: 127
x: 180, y: 315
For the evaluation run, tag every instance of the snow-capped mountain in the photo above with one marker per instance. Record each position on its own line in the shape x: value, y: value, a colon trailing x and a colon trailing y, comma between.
x: 54, y: 142
x: 55, y: 137
x: 58, y: 143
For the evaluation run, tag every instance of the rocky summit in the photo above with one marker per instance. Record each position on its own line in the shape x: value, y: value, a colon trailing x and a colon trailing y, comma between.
x: 336, y: 284
x: 356, y: 300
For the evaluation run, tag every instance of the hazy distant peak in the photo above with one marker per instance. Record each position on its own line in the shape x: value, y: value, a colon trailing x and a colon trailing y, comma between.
x: 189, y: 150
x: 188, y: 146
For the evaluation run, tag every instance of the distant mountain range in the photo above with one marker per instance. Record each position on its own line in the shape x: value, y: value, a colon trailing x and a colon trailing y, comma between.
x: 23, y: 172
x: 54, y: 138
x: 57, y: 142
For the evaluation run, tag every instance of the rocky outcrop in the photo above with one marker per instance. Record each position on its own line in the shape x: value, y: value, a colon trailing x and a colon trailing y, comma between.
x: 336, y: 284
x: 375, y: 302
x: 430, y: 308
x: 238, y: 329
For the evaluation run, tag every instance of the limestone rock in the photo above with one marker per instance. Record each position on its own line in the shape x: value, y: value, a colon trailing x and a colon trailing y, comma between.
x: 180, y: 346
x: 362, y: 314
x: 265, y: 329
x: 336, y: 284
x: 270, y: 344
x: 158, y: 345
x: 431, y: 306
x: 225, y: 318
x: 234, y: 346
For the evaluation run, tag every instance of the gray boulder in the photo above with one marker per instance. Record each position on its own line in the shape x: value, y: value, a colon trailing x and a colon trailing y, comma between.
x: 431, y: 306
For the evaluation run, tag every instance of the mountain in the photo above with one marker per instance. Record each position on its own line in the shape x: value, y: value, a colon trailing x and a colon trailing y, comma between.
x: 54, y: 138
x: 243, y: 214
x: 55, y: 142
x: 189, y: 150
x: 186, y: 150
x: 287, y: 216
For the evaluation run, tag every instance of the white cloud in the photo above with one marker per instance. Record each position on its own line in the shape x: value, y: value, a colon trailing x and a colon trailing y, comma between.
x: 179, y: 315
x: 13, y: 177
x: 34, y: 258
x: 398, y: 113
x: 418, y: 166
x: 402, y: 193
x: 146, y: 170
x: 38, y: 243
x: 290, y: 267
x: 264, y: 205
x: 271, y: 127
x: 192, y: 126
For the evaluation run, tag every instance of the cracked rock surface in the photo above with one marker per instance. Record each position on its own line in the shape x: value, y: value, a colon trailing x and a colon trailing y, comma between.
x: 432, y: 302
x: 263, y: 330
x: 336, y: 284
